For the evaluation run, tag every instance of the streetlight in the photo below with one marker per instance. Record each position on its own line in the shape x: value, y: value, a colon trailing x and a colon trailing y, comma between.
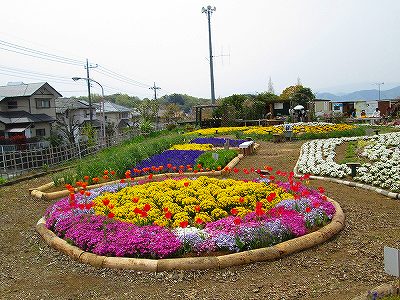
x: 209, y: 10
x: 379, y: 89
x: 102, y: 102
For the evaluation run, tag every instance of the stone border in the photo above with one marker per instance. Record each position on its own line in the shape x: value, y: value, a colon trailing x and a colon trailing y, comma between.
x: 381, y: 291
x: 349, y: 183
x: 40, y: 193
x: 198, y: 263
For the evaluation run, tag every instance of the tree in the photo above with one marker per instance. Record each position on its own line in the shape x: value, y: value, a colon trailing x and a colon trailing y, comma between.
x: 264, y: 102
x: 68, y: 125
x: 172, y: 113
x: 148, y: 110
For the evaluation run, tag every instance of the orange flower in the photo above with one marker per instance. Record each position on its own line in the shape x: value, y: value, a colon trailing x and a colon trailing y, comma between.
x: 105, y: 172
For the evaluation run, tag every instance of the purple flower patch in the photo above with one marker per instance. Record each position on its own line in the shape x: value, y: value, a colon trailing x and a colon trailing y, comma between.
x: 173, y: 157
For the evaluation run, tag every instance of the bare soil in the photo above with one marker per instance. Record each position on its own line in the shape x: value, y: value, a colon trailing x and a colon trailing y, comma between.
x: 345, y: 266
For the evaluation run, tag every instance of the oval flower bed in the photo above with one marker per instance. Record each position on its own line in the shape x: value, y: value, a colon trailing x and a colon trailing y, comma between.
x: 178, y: 217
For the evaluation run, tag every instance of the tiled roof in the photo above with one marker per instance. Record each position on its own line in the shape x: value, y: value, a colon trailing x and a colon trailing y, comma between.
x: 62, y: 104
x: 19, y: 117
x: 23, y: 89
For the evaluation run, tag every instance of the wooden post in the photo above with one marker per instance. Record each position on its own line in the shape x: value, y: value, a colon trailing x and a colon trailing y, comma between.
x: 353, y: 167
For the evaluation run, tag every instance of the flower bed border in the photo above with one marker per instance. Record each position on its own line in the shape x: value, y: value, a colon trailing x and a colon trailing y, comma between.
x: 386, y: 193
x: 198, y: 263
x: 40, y: 192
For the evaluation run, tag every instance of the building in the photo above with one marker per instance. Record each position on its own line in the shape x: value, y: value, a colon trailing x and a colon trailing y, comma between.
x: 27, y: 109
x: 117, y: 117
x: 72, y: 115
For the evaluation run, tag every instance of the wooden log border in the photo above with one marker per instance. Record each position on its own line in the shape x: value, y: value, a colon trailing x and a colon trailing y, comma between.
x: 198, y: 263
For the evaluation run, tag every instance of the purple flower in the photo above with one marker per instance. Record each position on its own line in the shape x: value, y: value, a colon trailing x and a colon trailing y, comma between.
x: 102, y: 236
x: 173, y: 157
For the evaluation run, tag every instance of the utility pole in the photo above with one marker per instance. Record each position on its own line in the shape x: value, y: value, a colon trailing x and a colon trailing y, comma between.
x: 379, y: 89
x: 155, y: 88
x: 209, y: 10
x: 87, y: 67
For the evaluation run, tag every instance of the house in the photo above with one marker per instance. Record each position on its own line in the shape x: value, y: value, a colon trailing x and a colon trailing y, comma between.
x: 118, y: 116
x: 72, y: 115
x: 27, y: 109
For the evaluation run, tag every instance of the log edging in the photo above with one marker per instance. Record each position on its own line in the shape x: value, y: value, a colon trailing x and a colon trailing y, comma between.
x: 197, y: 263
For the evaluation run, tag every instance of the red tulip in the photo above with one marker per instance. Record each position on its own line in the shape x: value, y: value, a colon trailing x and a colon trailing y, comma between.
x: 106, y: 201
x: 137, y: 210
x: 81, y: 206
x: 308, y: 209
x: 183, y: 224
x: 272, y: 177
x: 165, y: 209
x: 122, y: 180
x: 112, y: 173
x: 86, y: 178
x: 168, y: 215
x: 88, y: 205
x: 237, y: 221
x: 321, y: 189
x: 143, y: 214
x: 236, y: 170
x: 110, y: 215
x: 72, y: 197
x: 186, y: 184
x: 199, y: 221
x: 197, y: 208
x: 150, y: 176
x: 146, y: 207
x: 234, y: 211
x: 135, y: 199
x: 241, y: 199
x: 82, y: 192
x: 105, y: 172
x: 271, y: 197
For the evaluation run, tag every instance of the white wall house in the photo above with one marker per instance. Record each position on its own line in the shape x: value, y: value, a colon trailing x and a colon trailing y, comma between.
x: 27, y: 109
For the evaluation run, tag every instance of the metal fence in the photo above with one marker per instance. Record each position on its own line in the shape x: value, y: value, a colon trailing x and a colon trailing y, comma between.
x: 23, y: 158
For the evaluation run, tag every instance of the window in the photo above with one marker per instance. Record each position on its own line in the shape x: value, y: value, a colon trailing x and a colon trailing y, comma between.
x: 41, y: 132
x: 12, y: 104
x: 42, y: 103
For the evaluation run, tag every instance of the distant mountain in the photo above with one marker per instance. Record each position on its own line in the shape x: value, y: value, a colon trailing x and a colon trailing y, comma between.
x: 362, y: 95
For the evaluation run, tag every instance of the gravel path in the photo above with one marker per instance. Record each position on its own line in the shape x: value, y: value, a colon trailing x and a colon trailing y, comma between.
x: 341, y: 268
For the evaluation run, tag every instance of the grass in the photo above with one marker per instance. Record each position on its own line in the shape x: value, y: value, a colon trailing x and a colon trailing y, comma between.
x: 119, y: 158
x: 207, y: 160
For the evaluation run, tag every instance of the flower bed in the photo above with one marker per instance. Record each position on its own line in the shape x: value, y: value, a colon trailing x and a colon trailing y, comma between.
x: 169, y: 160
x: 312, y: 127
x: 187, y: 216
x: 318, y: 158
x: 217, y: 142
x: 192, y: 146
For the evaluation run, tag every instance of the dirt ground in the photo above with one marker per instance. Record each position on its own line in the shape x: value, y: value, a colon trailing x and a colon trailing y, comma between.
x: 345, y: 266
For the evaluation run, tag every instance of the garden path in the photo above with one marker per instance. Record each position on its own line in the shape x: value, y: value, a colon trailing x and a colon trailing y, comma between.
x: 341, y: 268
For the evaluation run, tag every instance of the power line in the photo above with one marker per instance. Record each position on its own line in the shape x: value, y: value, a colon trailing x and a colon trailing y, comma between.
x: 120, y: 77
x: 38, y: 54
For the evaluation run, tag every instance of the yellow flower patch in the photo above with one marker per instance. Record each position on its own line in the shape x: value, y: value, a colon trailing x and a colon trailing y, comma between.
x: 202, y: 147
x: 170, y: 202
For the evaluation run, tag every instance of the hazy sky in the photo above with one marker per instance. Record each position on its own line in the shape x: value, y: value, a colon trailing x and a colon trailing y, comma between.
x: 332, y: 45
